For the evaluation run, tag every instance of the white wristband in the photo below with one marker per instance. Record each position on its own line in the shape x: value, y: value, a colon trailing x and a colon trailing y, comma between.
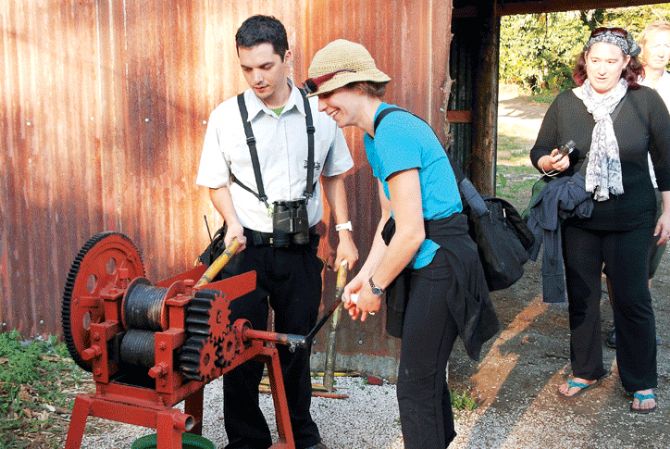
x: 343, y: 226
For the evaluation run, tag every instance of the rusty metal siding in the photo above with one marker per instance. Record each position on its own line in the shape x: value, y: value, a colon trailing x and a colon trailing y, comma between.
x: 104, y: 108
x: 410, y: 42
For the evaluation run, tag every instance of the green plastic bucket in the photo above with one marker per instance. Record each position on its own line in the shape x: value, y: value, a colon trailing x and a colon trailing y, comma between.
x: 188, y: 441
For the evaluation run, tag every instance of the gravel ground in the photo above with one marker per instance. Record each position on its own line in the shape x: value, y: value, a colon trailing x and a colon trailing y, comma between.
x: 368, y: 418
x: 515, y: 385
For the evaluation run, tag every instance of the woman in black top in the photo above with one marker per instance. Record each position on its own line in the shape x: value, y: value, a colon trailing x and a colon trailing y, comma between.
x: 623, y: 220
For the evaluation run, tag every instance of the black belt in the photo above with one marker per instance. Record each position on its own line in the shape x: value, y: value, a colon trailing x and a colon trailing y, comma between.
x: 257, y: 238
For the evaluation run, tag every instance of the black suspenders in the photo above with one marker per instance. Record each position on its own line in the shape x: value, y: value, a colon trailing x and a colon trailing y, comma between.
x: 251, y: 143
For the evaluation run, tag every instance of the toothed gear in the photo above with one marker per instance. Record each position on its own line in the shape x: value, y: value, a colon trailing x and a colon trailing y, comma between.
x: 207, y: 323
x: 96, y: 267
x: 229, y: 349
x: 219, y: 319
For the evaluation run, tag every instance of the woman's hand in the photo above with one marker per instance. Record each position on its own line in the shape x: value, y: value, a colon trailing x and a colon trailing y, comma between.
x: 359, y: 299
x: 556, y: 161
x: 662, y: 229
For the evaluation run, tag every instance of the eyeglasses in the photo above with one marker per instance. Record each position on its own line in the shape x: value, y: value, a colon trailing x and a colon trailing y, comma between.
x: 311, y: 85
x: 615, y: 31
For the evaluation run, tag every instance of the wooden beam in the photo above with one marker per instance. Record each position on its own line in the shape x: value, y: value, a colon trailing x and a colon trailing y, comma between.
x: 482, y: 161
x: 459, y: 116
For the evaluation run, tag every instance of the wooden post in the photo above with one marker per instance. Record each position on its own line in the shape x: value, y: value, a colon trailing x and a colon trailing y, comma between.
x: 482, y: 162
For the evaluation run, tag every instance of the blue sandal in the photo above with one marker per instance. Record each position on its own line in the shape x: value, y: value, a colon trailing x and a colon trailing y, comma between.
x: 641, y: 398
x: 572, y: 383
x: 581, y: 385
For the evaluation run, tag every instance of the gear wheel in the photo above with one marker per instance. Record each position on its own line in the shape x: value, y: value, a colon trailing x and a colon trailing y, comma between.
x: 219, y: 319
x: 96, y: 267
x: 207, y: 322
x: 228, y: 349
x: 200, y: 359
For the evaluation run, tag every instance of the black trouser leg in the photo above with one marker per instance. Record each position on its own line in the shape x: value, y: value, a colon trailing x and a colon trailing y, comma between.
x: 429, y: 333
x: 295, y: 283
x: 583, y: 265
x: 244, y: 421
x: 292, y: 279
x: 627, y: 261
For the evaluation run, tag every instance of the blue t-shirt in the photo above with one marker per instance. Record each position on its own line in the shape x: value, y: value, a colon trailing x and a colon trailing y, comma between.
x: 404, y: 142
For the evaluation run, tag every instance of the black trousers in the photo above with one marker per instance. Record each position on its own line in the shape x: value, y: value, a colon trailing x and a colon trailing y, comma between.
x: 429, y: 332
x: 625, y: 254
x: 291, y: 279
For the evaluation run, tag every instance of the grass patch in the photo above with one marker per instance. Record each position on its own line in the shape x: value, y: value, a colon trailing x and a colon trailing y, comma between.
x: 544, y: 96
x: 463, y: 400
x: 35, y: 377
x: 513, y: 150
x: 514, y: 183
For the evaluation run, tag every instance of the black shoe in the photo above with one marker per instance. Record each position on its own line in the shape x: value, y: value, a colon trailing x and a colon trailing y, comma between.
x: 611, y: 339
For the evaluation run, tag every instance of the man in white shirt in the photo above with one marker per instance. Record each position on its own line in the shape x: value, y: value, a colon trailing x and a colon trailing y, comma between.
x: 271, y: 207
x: 655, y: 44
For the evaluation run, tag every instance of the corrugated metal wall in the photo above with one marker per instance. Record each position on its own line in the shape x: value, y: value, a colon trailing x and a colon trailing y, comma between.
x: 104, y: 107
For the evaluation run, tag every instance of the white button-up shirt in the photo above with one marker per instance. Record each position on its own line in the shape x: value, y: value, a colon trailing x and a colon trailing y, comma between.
x: 281, y: 143
x: 663, y: 89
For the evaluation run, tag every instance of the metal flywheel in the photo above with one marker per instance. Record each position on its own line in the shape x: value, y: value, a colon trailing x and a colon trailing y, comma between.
x: 98, y: 267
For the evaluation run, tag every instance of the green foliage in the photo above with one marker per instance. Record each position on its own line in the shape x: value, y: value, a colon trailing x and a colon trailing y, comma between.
x: 463, y: 400
x: 538, y: 51
x: 33, y: 377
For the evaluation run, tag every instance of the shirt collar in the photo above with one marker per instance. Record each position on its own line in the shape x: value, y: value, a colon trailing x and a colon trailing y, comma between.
x: 255, y: 106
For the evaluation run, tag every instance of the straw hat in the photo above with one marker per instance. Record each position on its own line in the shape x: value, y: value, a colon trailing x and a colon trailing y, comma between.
x: 339, y: 63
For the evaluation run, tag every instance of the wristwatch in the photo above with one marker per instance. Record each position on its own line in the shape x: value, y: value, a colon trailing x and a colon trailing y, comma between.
x: 377, y: 291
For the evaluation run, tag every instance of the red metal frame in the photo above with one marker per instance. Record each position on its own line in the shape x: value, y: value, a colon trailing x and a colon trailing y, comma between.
x: 154, y: 407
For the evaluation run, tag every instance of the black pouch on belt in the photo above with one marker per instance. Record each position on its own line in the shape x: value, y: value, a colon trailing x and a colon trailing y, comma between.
x: 216, y: 247
x: 397, y: 292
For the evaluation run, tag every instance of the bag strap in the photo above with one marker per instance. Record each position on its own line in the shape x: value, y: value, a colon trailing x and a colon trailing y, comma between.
x: 617, y: 109
x: 460, y: 176
x: 468, y: 191
x: 251, y: 143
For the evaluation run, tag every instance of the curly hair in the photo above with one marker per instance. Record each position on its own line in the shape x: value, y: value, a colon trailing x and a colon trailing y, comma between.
x: 631, y: 73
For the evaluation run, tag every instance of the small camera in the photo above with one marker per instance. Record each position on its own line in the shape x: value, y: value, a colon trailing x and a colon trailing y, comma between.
x: 290, y: 223
x: 567, y: 148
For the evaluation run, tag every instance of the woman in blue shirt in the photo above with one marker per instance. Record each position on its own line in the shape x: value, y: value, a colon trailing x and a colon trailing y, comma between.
x: 446, y: 292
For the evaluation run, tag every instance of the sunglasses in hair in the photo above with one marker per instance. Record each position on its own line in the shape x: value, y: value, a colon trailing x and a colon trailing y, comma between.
x: 615, y: 31
x: 311, y: 85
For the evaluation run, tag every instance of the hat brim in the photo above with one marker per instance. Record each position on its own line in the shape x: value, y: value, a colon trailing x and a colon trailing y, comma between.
x: 344, y: 78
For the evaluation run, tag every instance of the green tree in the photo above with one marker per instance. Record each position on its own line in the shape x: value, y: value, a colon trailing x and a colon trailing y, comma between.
x: 538, y: 51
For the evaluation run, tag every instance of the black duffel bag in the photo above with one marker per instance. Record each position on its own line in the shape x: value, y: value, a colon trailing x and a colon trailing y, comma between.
x: 503, y: 239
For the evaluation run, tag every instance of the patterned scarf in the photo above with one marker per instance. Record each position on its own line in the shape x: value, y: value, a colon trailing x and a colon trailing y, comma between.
x: 603, y: 172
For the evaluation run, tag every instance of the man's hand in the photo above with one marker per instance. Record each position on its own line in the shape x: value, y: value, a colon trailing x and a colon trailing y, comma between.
x: 236, y: 231
x: 346, y: 250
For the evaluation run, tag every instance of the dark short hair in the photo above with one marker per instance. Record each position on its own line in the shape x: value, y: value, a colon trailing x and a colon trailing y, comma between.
x: 631, y: 73
x: 370, y: 88
x: 260, y: 29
